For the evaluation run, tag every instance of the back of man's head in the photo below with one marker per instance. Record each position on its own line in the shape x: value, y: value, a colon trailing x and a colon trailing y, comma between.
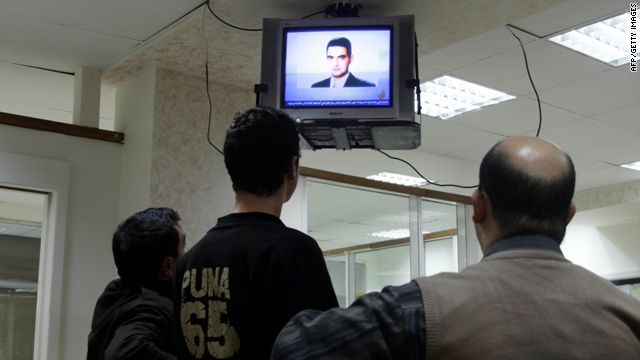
x: 530, y: 184
x: 142, y: 241
x: 260, y: 144
x: 340, y: 41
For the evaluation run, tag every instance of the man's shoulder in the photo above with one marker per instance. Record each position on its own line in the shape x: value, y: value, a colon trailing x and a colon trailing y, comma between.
x: 150, y: 296
x: 323, y: 83
x: 353, y: 81
x: 254, y: 236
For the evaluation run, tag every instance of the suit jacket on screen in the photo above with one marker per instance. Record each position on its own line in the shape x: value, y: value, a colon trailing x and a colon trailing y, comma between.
x: 352, y: 81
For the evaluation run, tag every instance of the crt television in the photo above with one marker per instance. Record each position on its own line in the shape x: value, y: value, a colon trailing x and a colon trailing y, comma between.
x: 348, y: 82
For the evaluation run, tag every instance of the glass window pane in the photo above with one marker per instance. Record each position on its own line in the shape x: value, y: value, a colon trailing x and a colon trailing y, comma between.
x: 388, y: 266
x: 337, y: 266
x: 635, y: 291
x: 20, y: 231
x: 438, y: 216
x: 439, y: 256
x: 341, y: 217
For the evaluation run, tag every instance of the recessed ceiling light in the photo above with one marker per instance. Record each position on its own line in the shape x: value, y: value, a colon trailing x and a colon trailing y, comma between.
x: 446, y: 97
x: 394, y: 234
x: 633, y: 165
x: 607, y: 40
x: 399, y: 179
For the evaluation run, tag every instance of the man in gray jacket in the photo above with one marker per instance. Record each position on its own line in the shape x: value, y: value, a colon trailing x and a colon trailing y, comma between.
x: 524, y: 300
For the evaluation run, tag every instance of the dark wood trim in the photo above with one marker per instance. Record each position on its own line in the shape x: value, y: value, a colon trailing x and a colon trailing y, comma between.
x: 24, y: 190
x: 61, y: 128
x: 346, y: 249
x: 440, y: 234
x: 383, y: 244
x: 354, y: 180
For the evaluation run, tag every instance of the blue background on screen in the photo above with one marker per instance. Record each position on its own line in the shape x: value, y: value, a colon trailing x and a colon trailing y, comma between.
x: 306, y: 64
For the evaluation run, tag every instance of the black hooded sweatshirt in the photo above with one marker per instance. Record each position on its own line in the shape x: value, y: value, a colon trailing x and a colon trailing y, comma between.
x: 133, y: 323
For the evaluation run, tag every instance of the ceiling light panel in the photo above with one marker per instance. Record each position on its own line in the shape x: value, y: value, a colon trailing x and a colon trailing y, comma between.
x: 394, y: 234
x: 633, y: 166
x: 446, y: 97
x: 398, y: 179
x: 608, y: 41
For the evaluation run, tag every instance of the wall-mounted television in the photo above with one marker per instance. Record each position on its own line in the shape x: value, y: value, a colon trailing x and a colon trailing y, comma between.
x: 346, y: 81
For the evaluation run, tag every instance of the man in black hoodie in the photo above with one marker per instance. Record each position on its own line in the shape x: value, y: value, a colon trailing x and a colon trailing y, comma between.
x: 133, y: 318
x: 238, y: 286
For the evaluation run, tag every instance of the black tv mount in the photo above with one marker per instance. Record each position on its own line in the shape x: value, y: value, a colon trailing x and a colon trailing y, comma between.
x: 342, y: 10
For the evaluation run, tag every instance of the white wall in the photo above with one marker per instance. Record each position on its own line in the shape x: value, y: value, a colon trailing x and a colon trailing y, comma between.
x: 47, y: 95
x: 92, y: 214
x: 606, y: 251
x: 134, y: 116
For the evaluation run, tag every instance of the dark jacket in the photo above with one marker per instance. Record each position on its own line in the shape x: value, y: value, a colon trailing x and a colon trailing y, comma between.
x: 352, y: 81
x: 133, y: 323
x: 241, y: 284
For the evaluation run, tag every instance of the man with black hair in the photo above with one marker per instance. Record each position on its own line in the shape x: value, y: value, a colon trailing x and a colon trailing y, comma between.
x: 237, y: 288
x: 133, y: 318
x: 524, y: 300
x: 339, y: 57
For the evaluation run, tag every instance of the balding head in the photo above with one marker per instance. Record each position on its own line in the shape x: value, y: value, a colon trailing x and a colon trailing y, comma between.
x: 529, y: 183
x: 536, y: 157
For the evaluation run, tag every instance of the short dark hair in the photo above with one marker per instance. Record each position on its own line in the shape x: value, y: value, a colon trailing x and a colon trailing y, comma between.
x: 259, y: 146
x: 523, y: 203
x: 142, y: 241
x: 340, y: 41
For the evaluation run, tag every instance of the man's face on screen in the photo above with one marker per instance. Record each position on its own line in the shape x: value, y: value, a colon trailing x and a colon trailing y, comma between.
x: 338, y: 61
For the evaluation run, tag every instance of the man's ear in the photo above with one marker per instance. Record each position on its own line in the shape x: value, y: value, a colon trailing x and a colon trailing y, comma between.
x: 572, y: 211
x: 480, y: 206
x: 292, y: 169
x: 168, y: 267
x: 350, y: 59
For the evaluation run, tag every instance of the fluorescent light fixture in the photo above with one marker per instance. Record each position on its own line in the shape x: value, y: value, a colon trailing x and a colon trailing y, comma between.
x: 407, y: 216
x: 446, y: 97
x: 632, y: 166
x: 607, y: 40
x: 399, y: 179
x: 393, y: 234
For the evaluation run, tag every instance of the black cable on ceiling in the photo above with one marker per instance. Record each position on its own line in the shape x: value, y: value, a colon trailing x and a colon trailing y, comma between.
x: 319, y: 12
x: 226, y: 23
x: 427, y: 180
x: 526, y: 62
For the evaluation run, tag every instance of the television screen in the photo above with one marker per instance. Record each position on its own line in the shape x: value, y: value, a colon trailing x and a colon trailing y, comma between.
x: 337, y: 67
x: 348, y: 82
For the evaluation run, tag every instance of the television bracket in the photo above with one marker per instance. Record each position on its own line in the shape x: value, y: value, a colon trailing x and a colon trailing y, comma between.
x: 259, y: 88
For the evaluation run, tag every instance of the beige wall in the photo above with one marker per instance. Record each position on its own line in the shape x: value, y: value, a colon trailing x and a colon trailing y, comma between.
x: 187, y: 173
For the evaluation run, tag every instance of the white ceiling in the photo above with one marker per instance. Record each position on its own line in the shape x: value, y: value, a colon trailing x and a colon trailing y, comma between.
x: 590, y: 109
x: 66, y: 34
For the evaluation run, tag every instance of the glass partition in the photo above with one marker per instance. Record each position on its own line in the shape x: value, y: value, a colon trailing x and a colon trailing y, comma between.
x: 438, y: 216
x: 388, y: 266
x: 367, y: 230
x: 342, y: 217
x: 440, y: 256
